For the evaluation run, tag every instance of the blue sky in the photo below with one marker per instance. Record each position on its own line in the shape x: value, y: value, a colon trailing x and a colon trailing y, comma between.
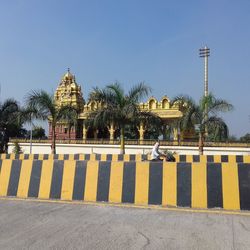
x: 129, y: 41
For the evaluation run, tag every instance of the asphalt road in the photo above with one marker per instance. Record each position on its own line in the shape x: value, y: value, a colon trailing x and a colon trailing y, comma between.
x: 42, y: 225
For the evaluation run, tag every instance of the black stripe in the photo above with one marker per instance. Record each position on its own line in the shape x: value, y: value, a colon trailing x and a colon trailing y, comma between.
x: 109, y: 157
x: 214, y: 185
x: 120, y: 157
x: 35, y: 178
x: 14, y: 177
x: 239, y: 158
x: 45, y: 156
x: 132, y: 157
x: 87, y: 157
x: 224, y: 158
x: 98, y: 157
x: 79, y: 180
x: 244, y: 185
x: 56, y: 156
x: 128, y: 184
x: 210, y: 158
x: 66, y: 157
x: 155, y: 183
x: 56, y: 183
x: 26, y: 156
x: 7, y: 156
x: 76, y: 157
x: 103, y: 181
x: 36, y: 156
x: 184, y: 184
x: 17, y: 156
x: 196, y: 158
x: 144, y: 157
x: 183, y: 158
x: 0, y: 165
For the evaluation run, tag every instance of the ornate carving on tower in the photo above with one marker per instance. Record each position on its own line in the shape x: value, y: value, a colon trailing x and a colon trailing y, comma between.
x: 69, y: 92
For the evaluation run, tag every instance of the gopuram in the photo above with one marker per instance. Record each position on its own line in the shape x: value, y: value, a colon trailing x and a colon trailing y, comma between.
x: 69, y: 93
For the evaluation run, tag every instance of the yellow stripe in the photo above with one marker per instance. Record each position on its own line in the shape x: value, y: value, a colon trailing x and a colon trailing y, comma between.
x: 138, y: 157
x: 61, y: 157
x: 199, y: 185
x: 230, y: 186
x: 46, y: 178
x: 103, y: 157
x: 71, y: 157
x: 24, y: 180
x: 203, y: 158
x: 12, y: 156
x: 189, y: 158
x: 177, y: 157
x: 217, y: 159
x: 91, y: 181
x: 51, y: 157
x: 21, y: 157
x: 5, y: 176
x: 246, y: 158
x: 141, y: 183
x: 115, y: 157
x: 231, y: 158
x: 116, y: 177
x: 169, y: 193
x: 126, y: 157
x: 40, y: 157
x: 81, y: 157
x: 92, y: 157
x: 68, y: 180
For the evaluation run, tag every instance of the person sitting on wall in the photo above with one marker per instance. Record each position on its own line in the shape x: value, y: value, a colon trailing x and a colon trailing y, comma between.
x: 156, y: 155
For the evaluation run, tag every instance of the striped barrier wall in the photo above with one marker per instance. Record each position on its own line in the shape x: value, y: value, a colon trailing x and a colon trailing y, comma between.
x: 196, y: 185
x: 129, y: 157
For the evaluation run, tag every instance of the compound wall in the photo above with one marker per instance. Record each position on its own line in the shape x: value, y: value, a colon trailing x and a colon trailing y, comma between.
x: 183, y: 184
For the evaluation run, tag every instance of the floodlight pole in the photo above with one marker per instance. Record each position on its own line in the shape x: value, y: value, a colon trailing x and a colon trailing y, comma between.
x: 205, y: 53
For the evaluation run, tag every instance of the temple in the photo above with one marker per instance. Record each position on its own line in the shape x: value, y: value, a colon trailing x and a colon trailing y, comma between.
x: 69, y: 93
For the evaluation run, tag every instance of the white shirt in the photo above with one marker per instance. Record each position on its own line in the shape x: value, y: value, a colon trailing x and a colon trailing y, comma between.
x: 155, y: 154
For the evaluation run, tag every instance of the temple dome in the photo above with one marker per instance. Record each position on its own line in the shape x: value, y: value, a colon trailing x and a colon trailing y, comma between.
x: 68, y: 76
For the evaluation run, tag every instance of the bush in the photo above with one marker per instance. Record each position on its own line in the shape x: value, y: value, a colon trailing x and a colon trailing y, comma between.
x: 17, y: 149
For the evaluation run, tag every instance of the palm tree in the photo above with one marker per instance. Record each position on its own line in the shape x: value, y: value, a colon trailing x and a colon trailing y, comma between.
x: 43, y: 106
x: 119, y: 108
x: 203, y: 116
x: 9, y: 122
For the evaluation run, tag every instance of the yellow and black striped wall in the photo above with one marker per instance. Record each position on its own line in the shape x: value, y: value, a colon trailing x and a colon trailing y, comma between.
x: 194, y: 184
x: 130, y: 157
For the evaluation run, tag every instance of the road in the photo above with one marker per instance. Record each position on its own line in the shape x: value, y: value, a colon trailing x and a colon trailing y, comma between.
x: 46, y: 225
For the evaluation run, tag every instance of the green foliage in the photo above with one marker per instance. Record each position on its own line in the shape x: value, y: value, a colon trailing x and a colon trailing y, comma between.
x: 245, y: 138
x: 10, y: 123
x: 41, y: 105
x: 203, y: 116
x: 38, y: 132
x: 16, y: 149
x: 119, y: 108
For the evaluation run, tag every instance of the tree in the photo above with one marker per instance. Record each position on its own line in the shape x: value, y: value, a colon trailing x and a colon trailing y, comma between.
x: 10, y: 125
x: 119, y: 108
x: 43, y: 106
x: 203, y: 116
x: 245, y: 138
x: 38, y: 132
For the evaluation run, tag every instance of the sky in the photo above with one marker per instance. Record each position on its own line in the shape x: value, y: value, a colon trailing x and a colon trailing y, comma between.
x: 132, y: 41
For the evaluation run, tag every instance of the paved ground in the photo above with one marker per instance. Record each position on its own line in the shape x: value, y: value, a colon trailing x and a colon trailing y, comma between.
x: 42, y: 225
